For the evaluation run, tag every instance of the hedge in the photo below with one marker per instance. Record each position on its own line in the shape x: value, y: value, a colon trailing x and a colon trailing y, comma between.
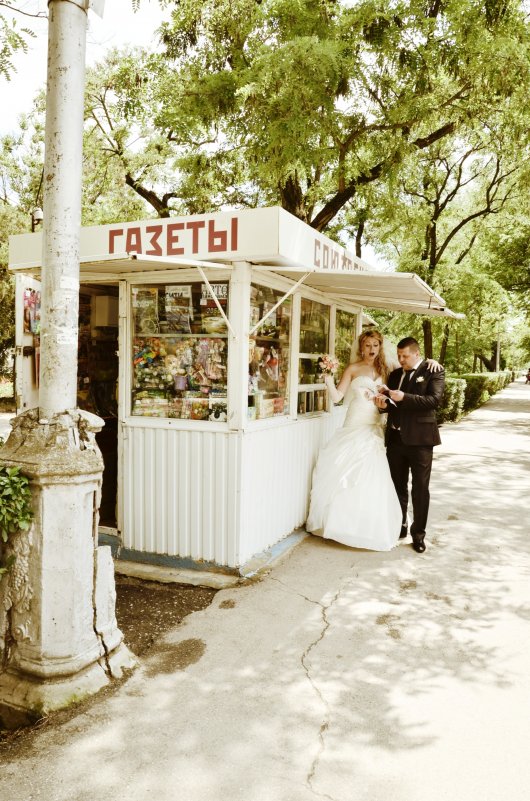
x: 466, y: 392
x: 481, y: 386
x: 452, y: 407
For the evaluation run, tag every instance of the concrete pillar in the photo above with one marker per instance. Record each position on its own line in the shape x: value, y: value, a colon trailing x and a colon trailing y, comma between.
x: 59, y: 639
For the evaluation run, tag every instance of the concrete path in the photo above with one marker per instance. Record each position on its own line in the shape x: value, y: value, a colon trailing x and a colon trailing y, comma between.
x: 343, y: 674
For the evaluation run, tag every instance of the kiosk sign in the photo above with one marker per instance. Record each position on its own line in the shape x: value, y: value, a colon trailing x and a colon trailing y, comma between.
x: 170, y: 238
x: 269, y: 236
x: 330, y: 256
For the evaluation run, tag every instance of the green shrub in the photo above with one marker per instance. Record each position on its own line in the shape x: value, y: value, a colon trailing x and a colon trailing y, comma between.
x: 481, y: 386
x: 452, y: 406
x: 15, y: 505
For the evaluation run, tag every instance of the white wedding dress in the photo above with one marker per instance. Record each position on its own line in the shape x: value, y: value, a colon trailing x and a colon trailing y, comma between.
x: 353, y: 500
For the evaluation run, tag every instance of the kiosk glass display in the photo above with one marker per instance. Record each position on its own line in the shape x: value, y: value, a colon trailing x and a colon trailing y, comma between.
x: 344, y: 338
x: 314, y: 342
x: 268, y: 371
x: 179, y: 351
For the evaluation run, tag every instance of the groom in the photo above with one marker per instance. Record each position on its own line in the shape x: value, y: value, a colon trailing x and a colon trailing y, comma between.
x: 412, y: 432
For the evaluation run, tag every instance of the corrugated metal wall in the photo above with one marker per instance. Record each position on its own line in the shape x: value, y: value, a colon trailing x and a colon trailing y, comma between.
x: 218, y: 496
x: 180, y: 493
x: 276, y: 479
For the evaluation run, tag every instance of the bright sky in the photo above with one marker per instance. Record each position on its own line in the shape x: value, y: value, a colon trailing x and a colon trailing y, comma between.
x: 120, y: 26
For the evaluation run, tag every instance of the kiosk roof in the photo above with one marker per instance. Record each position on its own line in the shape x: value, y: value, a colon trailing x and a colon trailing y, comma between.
x: 270, y: 238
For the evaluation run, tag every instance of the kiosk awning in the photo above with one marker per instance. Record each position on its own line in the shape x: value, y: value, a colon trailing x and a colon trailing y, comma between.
x: 405, y: 292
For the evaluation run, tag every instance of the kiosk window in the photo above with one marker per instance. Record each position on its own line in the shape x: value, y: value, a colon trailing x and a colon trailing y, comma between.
x: 314, y: 339
x: 344, y: 338
x: 179, y: 351
x: 314, y: 342
x: 268, y: 370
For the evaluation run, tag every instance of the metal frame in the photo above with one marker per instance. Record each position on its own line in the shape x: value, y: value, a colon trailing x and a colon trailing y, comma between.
x: 279, y: 303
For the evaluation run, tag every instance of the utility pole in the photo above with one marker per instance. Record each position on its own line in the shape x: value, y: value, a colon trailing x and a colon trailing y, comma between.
x: 59, y: 639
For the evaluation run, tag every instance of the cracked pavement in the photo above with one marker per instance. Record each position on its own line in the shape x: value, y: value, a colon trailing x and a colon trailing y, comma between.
x: 342, y: 674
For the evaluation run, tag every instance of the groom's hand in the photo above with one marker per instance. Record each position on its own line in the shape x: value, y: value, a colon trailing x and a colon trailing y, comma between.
x: 396, y: 395
x: 380, y: 402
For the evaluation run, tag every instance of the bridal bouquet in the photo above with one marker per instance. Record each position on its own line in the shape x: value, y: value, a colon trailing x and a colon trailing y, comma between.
x: 327, y: 365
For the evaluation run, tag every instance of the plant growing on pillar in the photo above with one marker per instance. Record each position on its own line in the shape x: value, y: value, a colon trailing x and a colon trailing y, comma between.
x: 15, y: 507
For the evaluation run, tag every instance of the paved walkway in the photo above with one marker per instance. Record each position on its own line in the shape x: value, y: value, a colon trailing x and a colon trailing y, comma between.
x: 343, y: 674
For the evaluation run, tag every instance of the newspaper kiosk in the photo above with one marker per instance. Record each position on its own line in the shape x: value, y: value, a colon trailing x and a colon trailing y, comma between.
x: 199, y: 340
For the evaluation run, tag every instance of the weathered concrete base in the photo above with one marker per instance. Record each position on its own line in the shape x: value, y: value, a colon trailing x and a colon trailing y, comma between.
x: 59, y: 638
x: 24, y: 700
x: 218, y: 580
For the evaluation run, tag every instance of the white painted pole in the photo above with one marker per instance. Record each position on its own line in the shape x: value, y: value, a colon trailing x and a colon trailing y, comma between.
x: 62, y: 205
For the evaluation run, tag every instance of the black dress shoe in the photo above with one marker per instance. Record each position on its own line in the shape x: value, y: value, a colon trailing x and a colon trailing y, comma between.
x: 403, y: 533
x: 418, y: 545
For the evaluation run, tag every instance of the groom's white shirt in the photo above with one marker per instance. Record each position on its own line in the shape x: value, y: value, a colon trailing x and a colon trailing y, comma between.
x: 404, y: 372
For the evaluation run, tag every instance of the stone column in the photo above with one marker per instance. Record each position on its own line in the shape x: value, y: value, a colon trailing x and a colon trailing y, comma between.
x: 59, y: 639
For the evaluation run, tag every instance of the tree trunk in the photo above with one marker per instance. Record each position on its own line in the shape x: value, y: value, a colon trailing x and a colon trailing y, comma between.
x: 359, y: 238
x: 443, y: 348
x: 427, y: 338
x: 293, y: 198
x: 498, y: 355
x: 489, y: 364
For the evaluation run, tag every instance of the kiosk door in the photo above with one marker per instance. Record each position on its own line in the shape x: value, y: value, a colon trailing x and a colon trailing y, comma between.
x: 97, y: 381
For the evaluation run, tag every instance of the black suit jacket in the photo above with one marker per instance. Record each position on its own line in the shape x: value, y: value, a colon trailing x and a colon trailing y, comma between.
x: 417, y: 413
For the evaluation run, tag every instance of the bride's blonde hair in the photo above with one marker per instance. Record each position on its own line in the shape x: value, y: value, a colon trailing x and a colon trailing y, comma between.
x: 380, y: 362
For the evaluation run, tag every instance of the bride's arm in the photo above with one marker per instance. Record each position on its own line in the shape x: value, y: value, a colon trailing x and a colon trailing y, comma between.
x: 334, y: 393
x: 337, y: 393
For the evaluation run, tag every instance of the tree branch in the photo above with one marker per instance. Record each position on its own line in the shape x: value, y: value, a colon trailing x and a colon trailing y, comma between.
x: 491, y: 193
x: 333, y: 206
x: 38, y: 15
x: 466, y: 250
x: 159, y: 205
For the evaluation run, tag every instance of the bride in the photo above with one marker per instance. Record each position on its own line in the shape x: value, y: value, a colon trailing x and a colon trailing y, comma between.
x: 353, y: 500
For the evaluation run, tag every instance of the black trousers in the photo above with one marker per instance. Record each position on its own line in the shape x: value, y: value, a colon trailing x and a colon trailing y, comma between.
x: 414, y: 460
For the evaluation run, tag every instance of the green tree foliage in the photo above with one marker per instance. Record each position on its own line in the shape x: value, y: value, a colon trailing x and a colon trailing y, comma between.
x: 14, y: 34
x: 319, y: 99
x: 391, y: 122
x: 301, y: 103
x: 505, y: 253
x: 439, y: 210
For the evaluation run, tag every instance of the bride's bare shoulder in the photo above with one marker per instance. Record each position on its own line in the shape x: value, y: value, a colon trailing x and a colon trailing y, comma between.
x: 354, y: 369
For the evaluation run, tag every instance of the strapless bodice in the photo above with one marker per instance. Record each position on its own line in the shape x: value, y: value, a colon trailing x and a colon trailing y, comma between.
x: 361, y: 407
